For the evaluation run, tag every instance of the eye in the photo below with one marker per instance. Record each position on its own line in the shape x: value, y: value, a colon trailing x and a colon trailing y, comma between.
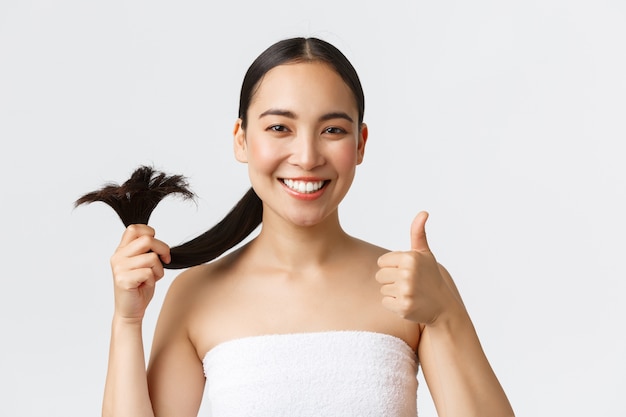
x: 333, y: 130
x: 278, y: 128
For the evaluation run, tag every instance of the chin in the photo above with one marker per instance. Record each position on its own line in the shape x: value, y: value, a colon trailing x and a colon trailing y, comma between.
x: 307, y: 220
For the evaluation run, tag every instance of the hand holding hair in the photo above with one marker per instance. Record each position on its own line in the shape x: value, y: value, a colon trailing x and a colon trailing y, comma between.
x: 136, y: 198
x: 137, y: 265
x: 412, y: 283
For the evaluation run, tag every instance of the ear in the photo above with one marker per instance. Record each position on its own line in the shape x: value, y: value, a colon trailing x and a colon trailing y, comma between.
x: 361, y: 145
x: 239, y: 142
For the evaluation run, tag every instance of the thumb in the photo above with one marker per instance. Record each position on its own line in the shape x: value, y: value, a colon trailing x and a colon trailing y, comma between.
x: 418, y: 233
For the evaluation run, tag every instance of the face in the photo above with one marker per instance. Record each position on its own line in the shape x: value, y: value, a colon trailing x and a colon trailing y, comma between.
x: 302, y: 142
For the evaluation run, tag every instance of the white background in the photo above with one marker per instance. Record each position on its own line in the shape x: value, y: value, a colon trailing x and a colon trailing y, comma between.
x: 504, y: 119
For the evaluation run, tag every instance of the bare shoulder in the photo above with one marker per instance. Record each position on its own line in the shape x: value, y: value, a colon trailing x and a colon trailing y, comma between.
x: 191, y: 280
x: 194, y: 283
x: 368, y: 249
x: 198, y: 298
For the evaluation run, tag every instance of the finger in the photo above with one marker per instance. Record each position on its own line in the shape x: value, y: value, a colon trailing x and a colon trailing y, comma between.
x: 134, y: 231
x: 133, y: 279
x: 145, y: 244
x: 162, y: 249
x: 136, y: 279
x: 391, y: 259
x: 121, y: 265
x: 389, y: 290
x: 386, y: 275
x: 146, y: 266
x: 418, y: 233
x: 147, y: 261
x: 390, y: 303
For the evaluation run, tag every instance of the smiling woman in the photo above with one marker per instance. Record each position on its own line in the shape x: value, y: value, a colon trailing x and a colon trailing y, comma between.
x: 302, y: 141
x: 304, y: 319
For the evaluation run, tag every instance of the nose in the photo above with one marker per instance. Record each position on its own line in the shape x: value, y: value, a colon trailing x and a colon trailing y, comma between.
x: 307, y: 152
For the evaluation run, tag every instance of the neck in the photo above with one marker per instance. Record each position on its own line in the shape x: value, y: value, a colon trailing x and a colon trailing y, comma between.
x: 298, y: 247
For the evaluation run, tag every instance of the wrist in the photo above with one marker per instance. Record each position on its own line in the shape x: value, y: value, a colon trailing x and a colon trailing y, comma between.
x: 452, y: 317
x: 120, y: 320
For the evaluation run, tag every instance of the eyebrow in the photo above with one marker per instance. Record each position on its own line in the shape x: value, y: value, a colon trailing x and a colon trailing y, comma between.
x: 292, y: 115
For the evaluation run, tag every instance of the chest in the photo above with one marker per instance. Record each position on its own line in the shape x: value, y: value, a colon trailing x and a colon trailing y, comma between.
x: 281, y: 305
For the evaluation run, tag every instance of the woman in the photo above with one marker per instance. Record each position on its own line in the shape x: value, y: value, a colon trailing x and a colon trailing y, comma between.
x: 304, y: 319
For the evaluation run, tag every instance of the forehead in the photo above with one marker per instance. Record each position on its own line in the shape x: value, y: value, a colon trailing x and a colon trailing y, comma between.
x: 305, y: 86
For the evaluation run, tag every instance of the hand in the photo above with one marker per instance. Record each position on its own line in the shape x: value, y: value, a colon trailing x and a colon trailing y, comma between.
x: 412, y: 283
x: 136, y: 266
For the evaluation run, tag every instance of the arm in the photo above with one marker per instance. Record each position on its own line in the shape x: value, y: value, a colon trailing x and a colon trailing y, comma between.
x: 174, y: 383
x: 137, y: 267
x: 456, y: 369
x: 126, y: 390
x: 175, y: 373
x: 458, y: 374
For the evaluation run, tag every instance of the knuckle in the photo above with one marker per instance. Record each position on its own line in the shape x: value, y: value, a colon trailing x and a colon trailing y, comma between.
x: 406, y: 275
x: 132, y: 281
x: 144, y: 242
x: 144, y: 239
x: 159, y: 274
x: 115, y: 264
x: 388, y: 303
x: 153, y: 259
x: 133, y: 229
x: 408, y: 261
x: 406, y: 305
x: 409, y: 286
x: 120, y: 281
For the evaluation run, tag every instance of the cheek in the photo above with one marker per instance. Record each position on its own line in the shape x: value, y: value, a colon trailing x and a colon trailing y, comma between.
x: 262, y: 156
x: 345, y: 155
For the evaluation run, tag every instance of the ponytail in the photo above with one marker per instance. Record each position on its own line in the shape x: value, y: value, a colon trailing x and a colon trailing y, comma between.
x: 134, y: 201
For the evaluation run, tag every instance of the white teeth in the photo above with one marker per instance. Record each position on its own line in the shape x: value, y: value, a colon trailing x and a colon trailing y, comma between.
x: 304, y: 187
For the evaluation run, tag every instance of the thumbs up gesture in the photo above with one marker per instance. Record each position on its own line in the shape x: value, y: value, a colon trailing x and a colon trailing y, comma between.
x: 412, y: 284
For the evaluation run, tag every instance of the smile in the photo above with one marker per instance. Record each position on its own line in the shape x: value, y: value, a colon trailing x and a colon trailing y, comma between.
x: 304, y: 187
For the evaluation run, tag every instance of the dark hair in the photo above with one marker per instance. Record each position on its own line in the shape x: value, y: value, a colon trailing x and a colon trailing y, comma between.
x: 299, y: 50
x: 135, y: 200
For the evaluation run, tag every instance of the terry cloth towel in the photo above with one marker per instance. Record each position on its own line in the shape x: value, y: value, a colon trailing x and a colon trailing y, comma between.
x: 334, y: 373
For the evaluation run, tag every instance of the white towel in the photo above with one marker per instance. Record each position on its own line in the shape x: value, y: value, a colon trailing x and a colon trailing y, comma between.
x: 334, y: 373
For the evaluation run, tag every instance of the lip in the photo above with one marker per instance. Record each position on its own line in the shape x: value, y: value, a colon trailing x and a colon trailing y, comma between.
x: 304, y: 196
